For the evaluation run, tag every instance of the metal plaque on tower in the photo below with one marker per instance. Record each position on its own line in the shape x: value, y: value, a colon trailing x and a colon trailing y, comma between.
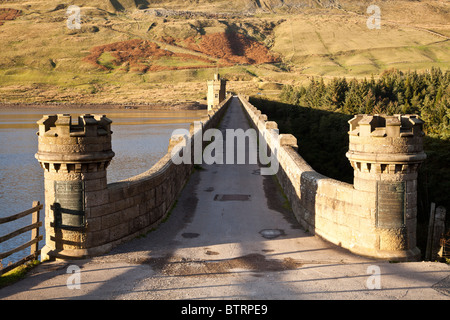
x: 69, y: 208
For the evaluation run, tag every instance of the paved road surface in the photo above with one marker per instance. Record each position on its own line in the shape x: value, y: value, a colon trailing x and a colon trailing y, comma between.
x: 231, y: 236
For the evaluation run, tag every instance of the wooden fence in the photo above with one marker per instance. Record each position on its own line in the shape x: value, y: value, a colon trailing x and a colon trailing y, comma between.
x: 35, y: 237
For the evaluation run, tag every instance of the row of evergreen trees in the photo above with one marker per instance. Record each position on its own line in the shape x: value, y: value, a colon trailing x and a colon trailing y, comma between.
x: 394, y: 92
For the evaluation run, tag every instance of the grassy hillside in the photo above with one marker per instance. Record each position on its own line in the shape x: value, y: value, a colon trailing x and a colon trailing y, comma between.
x: 138, y: 51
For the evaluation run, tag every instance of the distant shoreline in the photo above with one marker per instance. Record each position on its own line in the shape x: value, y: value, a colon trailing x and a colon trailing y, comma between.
x: 103, y: 106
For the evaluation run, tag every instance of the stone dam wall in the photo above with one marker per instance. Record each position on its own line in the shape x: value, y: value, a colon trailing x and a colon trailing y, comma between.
x: 376, y: 216
x: 353, y: 216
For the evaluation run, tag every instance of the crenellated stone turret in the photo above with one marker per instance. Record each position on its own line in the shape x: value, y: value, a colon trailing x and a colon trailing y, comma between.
x: 74, y: 157
x: 385, y: 153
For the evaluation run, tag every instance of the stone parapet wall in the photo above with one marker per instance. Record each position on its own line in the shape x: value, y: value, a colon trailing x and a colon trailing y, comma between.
x: 112, y: 213
x: 136, y: 205
x: 337, y: 211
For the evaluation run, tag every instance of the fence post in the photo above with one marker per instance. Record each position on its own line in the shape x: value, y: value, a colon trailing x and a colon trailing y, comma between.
x: 430, y: 232
x: 35, y: 232
x: 438, y: 232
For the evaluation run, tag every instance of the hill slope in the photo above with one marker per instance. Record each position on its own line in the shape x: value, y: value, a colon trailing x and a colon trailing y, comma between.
x: 158, y: 51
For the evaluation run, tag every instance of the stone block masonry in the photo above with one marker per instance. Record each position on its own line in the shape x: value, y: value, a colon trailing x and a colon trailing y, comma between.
x: 374, y: 217
x: 84, y: 215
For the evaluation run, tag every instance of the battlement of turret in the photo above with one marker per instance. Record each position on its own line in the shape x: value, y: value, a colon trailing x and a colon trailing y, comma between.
x: 60, y: 125
x: 386, y: 126
x: 62, y: 141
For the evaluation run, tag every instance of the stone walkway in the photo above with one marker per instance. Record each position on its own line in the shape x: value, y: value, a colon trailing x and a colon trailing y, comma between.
x: 232, y: 235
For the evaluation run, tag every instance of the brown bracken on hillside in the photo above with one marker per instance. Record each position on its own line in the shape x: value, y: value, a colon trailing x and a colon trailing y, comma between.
x: 140, y: 55
x: 232, y: 48
x: 143, y: 55
x: 8, y: 14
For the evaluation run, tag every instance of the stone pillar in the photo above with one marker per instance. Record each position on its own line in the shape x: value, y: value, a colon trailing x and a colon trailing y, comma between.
x: 385, y: 153
x: 74, y: 158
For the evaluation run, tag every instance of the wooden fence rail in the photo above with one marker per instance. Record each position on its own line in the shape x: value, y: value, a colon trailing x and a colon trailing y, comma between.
x: 35, y: 237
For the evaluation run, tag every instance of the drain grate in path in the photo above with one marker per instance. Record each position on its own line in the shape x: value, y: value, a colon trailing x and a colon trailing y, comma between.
x: 272, y: 233
x: 232, y: 197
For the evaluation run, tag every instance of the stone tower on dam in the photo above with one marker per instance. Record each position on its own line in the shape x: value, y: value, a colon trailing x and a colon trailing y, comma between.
x: 216, y: 91
x: 74, y: 158
x: 385, y: 153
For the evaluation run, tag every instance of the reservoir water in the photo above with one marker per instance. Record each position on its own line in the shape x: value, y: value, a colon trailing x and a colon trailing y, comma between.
x: 140, y: 138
